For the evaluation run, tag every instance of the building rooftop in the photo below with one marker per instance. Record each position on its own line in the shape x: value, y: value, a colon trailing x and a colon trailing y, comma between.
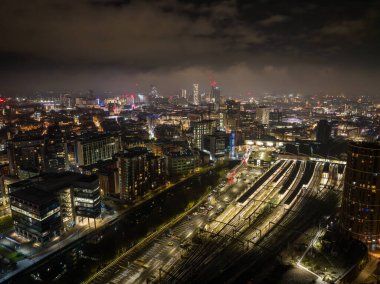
x: 89, y: 137
x: 133, y: 152
x: 52, y: 182
x: 186, y: 153
x: 33, y: 195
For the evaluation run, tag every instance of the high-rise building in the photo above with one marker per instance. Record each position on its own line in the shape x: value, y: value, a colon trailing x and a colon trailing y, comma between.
x: 26, y: 152
x: 232, y: 116
x: 92, y: 148
x: 132, y: 172
x: 360, y: 215
x: 275, y: 116
x: 156, y: 170
x: 154, y: 92
x: 139, y: 171
x: 215, y: 97
x: 184, y: 93
x: 262, y: 115
x: 196, y: 94
x: 323, y: 131
x: 109, y: 181
x: 201, y: 128
x: 55, y: 151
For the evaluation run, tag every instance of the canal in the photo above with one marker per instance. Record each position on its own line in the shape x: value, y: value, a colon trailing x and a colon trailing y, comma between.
x: 83, y: 259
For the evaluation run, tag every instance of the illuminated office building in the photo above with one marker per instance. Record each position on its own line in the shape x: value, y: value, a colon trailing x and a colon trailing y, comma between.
x: 196, y: 94
x: 183, y: 93
x: 47, y: 205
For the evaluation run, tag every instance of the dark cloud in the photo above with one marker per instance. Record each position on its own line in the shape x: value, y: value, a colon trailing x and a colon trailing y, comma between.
x: 249, y: 46
x: 274, y: 19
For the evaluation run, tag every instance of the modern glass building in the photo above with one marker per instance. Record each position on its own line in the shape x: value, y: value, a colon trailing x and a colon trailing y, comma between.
x: 86, y: 194
x: 47, y: 205
x: 36, y: 214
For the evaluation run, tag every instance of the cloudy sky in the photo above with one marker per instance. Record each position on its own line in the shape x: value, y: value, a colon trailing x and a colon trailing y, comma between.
x: 248, y: 47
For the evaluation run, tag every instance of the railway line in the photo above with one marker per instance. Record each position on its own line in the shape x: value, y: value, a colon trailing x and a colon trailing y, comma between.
x: 220, y: 252
x: 211, y: 243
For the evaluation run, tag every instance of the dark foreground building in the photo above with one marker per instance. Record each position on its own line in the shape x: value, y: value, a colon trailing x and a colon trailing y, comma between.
x: 360, y: 215
x: 323, y: 131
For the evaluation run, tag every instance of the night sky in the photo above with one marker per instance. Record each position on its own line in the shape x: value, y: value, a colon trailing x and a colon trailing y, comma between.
x: 246, y: 46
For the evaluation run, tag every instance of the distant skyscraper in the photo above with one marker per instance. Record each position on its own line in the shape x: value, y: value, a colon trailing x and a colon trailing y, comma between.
x: 154, y: 92
x: 196, y: 94
x: 184, y: 93
x: 360, y: 215
x: 262, y: 115
x: 323, y: 131
x: 215, y: 96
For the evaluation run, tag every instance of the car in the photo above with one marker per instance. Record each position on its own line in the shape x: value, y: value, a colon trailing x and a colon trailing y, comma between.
x: 202, y: 208
x: 170, y: 244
